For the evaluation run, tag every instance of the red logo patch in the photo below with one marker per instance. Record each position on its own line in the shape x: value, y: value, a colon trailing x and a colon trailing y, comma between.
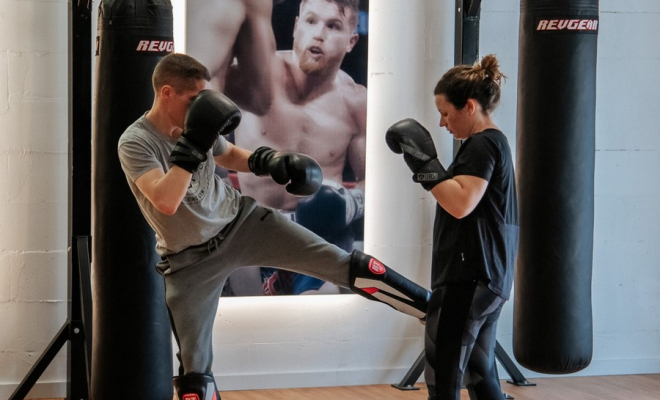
x: 190, y: 396
x: 376, y: 267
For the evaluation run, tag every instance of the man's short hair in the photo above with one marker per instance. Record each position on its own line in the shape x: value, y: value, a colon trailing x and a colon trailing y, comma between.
x: 180, y: 71
x: 342, y: 5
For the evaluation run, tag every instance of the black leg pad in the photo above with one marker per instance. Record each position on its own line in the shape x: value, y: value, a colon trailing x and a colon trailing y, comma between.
x: 372, y: 279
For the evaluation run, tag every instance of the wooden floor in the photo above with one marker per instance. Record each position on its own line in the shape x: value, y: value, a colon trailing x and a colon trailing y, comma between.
x: 625, y: 387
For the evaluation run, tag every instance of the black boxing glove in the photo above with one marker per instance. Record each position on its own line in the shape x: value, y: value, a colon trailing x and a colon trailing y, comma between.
x: 331, y: 209
x: 414, y: 141
x: 300, y: 173
x: 209, y: 115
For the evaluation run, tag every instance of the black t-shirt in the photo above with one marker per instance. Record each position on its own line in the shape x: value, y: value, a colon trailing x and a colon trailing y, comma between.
x: 483, y: 245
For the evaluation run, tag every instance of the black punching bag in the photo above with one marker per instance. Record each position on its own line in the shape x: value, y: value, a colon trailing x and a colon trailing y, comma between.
x: 132, y: 347
x: 555, y: 168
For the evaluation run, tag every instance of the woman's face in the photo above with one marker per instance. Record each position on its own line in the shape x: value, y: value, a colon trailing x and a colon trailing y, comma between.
x: 458, y: 122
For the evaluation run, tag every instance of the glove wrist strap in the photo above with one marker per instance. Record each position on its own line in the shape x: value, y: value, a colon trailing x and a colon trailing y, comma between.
x: 187, y: 155
x: 258, y: 160
x: 431, y: 174
x: 354, y: 205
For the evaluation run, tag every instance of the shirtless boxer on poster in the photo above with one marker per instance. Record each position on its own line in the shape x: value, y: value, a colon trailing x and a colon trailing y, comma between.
x: 297, y: 100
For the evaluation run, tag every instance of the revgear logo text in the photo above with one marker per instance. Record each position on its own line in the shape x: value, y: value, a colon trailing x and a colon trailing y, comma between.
x: 155, y: 46
x: 567, y: 24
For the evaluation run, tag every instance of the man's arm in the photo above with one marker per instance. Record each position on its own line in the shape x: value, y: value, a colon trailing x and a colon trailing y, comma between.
x: 165, y: 190
x: 218, y: 31
x: 212, y: 28
x: 249, y: 80
x: 357, y: 148
x: 210, y: 115
x: 234, y: 158
x: 357, y: 158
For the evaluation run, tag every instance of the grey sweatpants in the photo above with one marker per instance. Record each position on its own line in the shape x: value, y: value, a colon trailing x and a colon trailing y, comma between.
x: 258, y: 236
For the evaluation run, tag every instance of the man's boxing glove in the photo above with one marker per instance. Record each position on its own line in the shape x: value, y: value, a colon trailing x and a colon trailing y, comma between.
x: 209, y: 115
x: 414, y: 141
x: 300, y: 173
x: 331, y: 209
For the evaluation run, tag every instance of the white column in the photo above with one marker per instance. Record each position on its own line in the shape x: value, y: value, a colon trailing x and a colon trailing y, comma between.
x: 34, y: 153
x: 410, y: 45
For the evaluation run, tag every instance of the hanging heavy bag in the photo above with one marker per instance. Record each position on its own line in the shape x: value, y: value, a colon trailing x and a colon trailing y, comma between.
x: 555, y: 169
x: 131, y: 347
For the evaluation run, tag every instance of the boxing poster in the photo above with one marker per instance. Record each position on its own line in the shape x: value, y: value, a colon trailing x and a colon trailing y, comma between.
x: 297, y: 69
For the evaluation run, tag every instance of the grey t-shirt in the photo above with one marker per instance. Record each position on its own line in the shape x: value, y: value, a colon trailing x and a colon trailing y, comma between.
x: 208, y: 205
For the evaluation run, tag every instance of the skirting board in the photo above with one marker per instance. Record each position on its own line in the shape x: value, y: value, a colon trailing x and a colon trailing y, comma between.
x: 350, y: 378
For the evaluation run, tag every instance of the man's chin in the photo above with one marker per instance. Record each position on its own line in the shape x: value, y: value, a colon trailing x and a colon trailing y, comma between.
x: 312, y: 68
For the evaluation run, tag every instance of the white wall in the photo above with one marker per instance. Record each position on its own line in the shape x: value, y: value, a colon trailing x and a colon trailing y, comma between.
x: 627, y: 236
x: 342, y: 340
x: 34, y: 154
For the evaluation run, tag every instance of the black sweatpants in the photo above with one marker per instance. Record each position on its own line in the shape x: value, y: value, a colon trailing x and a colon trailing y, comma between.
x: 460, y: 342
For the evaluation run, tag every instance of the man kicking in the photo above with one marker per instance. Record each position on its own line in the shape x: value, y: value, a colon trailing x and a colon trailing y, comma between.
x: 205, y: 229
